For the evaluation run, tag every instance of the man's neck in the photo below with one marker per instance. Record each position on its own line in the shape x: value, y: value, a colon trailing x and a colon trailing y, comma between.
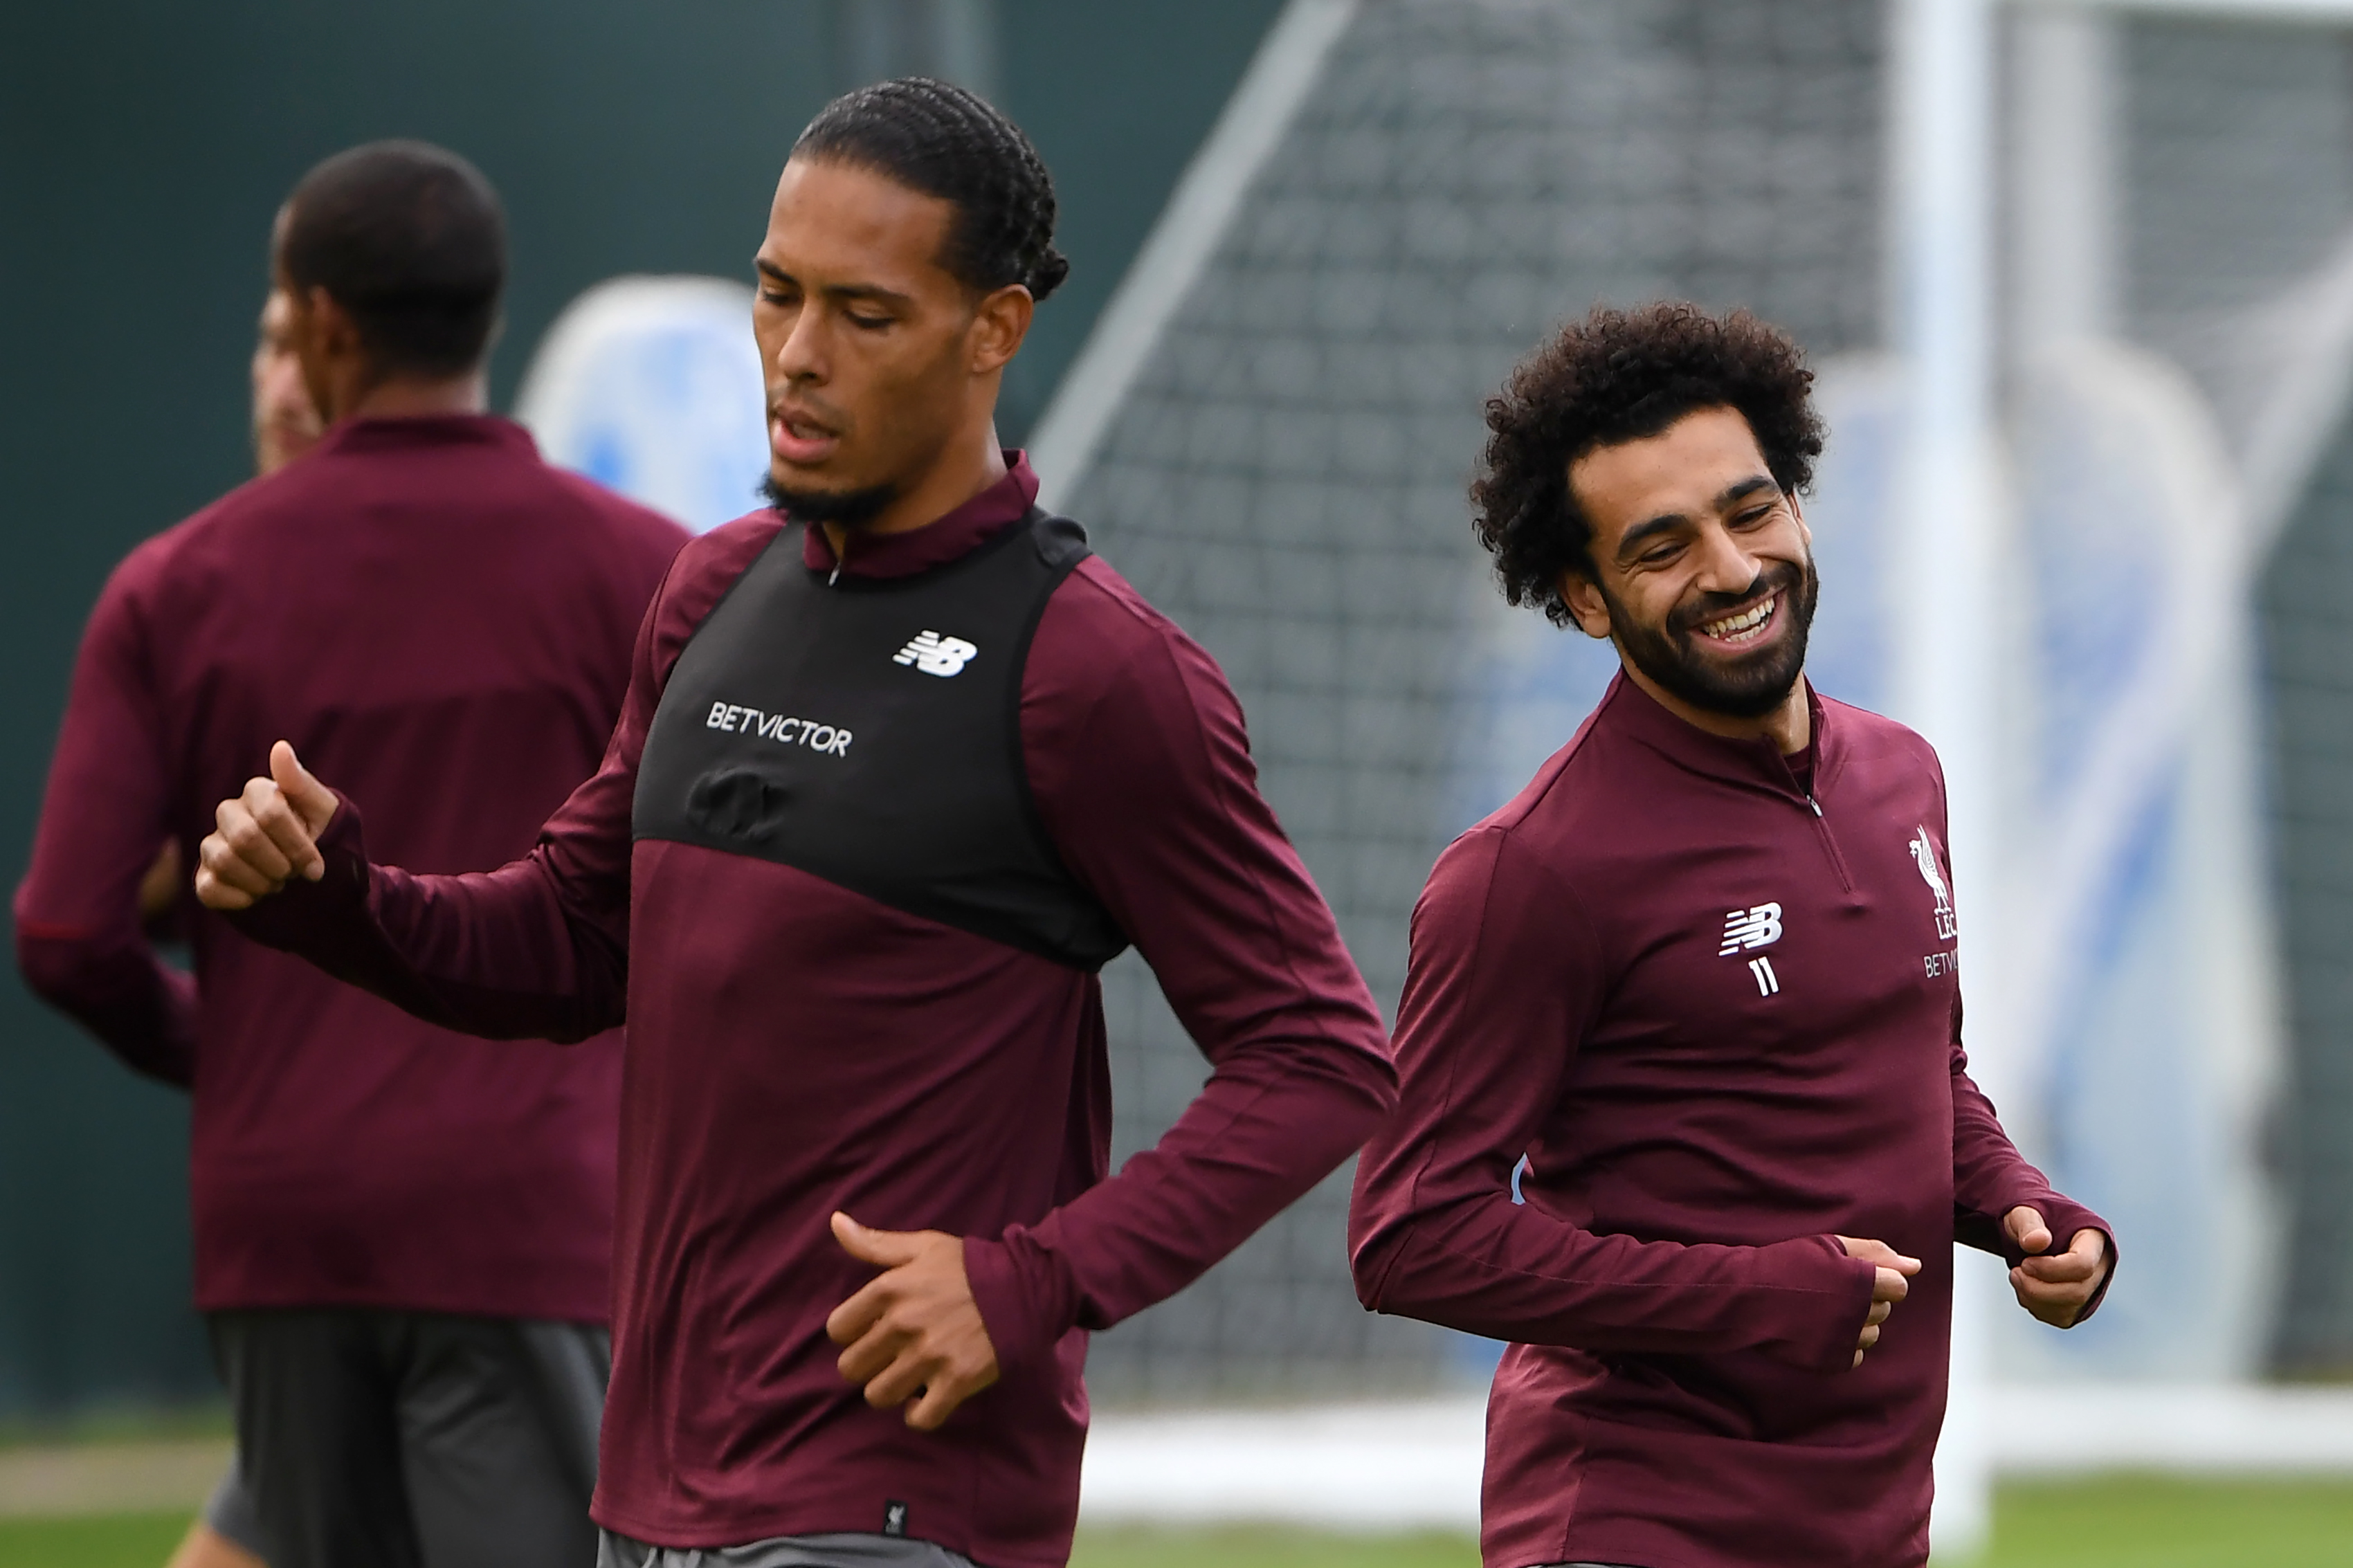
x: 965, y: 470
x: 405, y: 397
x: 1790, y: 726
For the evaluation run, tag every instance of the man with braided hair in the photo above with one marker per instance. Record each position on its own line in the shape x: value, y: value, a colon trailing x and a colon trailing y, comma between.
x: 901, y: 767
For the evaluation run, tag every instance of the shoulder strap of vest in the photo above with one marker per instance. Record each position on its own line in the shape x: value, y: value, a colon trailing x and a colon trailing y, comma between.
x: 1061, y: 541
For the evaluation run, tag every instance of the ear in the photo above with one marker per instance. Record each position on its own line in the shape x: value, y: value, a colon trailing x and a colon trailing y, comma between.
x: 1585, y: 602
x: 310, y: 331
x: 1000, y: 322
x: 1800, y: 513
x: 330, y: 326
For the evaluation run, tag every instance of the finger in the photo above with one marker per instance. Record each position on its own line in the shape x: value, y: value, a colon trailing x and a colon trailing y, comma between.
x: 240, y: 830
x: 2025, y: 1225
x: 2086, y: 1255
x: 216, y: 894
x: 221, y: 858
x: 2060, y: 1268
x: 883, y: 1249
x: 939, y: 1400
x: 902, y: 1379
x: 933, y: 1408
x: 1865, y: 1248
x: 277, y: 817
x: 1878, y: 1314
x: 2037, y: 1294
x: 1878, y: 1253
x: 851, y: 1319
x: 872, y: 1352
x: 1870, y: 1337
x: 1889, y: 1286
x: 313, y: 800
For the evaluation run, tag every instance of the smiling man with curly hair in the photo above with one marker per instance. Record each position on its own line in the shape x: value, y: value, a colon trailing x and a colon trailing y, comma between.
x: 1685, y: 1112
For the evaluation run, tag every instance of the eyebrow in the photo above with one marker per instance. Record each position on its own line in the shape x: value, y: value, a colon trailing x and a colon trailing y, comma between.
x: 874, y: 291
x: 1732, y: 495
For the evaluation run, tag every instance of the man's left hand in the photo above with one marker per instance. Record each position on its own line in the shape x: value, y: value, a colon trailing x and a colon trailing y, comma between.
x: 2054, y: 1286
x: 915, y: 1333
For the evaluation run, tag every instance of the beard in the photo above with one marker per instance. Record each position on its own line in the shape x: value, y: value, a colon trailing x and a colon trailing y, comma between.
x: 843, y: 509
x: 1737, y: 689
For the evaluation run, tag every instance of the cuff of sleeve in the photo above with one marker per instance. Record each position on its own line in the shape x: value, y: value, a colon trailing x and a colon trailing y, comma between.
x: 2066, y: 1217
x: 1830, y: 1295
x: 285, y: 919
x: 1011, y: 1284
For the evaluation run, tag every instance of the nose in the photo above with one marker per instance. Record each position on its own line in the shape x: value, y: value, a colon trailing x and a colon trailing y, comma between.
x: 801, y: 355
x: 1726, y: 565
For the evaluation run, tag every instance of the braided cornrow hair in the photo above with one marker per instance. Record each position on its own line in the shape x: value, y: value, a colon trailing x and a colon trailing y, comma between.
x: 935, y: 137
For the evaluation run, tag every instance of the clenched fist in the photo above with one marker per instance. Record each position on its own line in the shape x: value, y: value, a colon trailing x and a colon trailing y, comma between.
x: 265, y: 837
x: 2055, y: 1286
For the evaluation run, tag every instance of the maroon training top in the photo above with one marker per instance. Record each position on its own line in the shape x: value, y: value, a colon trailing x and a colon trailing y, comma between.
x: 441, y: 624
x: 796, y: 1047
x: 1723, y: 1026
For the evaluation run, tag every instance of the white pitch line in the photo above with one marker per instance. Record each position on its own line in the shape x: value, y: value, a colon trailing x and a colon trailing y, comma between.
x: 1412, y: 1465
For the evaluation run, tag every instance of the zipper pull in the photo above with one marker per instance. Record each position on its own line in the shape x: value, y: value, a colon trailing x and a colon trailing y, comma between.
x: 836, y: 578
x: 1815, y: 803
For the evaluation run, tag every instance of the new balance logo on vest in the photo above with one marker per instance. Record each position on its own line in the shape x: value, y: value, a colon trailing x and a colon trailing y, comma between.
x: 935, y: 654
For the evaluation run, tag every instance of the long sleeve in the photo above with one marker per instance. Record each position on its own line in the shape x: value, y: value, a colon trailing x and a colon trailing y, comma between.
x: 1506, y: 975
x: 1148, y: 790
x: 79, y: 944
x: 539, y: 948
x: 1990, y: 1177
x: 536, y: 950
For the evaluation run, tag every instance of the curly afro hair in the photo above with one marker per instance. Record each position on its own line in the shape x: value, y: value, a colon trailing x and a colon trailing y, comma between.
x: 1623, y: 375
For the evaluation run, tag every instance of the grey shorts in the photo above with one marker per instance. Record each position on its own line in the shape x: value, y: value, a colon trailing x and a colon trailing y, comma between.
x: 229, y: 1513
x: 841, y: 1551
x: 372, y: 1438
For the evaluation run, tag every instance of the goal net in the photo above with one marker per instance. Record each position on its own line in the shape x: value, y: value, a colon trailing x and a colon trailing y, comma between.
x: 1271, y: 430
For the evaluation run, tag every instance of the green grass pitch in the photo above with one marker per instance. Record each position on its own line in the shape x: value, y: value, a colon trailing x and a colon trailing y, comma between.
x: 2118, y: 1522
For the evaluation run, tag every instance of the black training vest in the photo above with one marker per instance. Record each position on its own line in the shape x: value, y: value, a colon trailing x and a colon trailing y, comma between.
x: 869, y: 732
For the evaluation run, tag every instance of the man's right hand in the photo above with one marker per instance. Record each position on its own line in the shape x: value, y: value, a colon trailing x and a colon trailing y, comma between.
x: 266, y: 836
x: 1887, y: 1285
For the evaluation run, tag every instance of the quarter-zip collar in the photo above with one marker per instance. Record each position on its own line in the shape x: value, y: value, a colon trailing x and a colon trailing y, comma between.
x: 952, y: 535
x: 1751, y: 764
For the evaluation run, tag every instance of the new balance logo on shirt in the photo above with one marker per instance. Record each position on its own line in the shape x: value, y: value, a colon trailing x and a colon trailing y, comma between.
x: 935, y: 654
x: 1760, y: 926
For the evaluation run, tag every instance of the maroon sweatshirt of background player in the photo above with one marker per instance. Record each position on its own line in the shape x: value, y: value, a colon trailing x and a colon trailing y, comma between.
x: 1724, y: 1027
x: 442, y: 623
x: 796, y: 1047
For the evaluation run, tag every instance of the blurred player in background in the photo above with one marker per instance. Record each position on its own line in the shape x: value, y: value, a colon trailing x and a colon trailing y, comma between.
x: 1685, y: 1109
x: 902, y: 767
x: 285, y: 420
x: 285, y: 426
x: 402, y: 1236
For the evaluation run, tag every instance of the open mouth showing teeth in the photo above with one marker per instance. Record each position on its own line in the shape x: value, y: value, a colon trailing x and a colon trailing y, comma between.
x: 1744, y: 627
